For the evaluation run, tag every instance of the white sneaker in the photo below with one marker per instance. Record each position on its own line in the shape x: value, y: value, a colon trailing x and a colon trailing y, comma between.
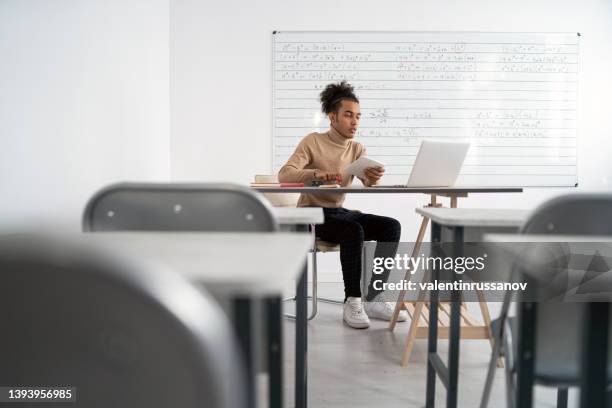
x: 354, y: 315
x: 384, y: 311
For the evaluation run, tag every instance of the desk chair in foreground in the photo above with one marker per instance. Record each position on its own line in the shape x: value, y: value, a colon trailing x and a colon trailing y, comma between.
x: 556, y: 326
x: 198, y: 207
x: 291, y: 200
x: 178, y: 207
x: 122, y: 333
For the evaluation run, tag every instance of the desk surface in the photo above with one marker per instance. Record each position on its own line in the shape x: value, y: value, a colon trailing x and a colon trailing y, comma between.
x: 227, y: 264
x: 543, y: 238
x: 475, y: 217
x: 301, y: 215
x: 400, y: 190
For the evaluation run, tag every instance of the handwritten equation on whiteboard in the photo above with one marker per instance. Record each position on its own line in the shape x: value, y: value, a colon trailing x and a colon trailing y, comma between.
x: 511, y: 95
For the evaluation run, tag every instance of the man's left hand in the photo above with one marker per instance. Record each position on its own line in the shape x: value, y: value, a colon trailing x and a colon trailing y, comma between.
x: 373, y: 174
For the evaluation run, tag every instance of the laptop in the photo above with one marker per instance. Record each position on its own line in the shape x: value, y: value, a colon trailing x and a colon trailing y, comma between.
x: 437, y: 165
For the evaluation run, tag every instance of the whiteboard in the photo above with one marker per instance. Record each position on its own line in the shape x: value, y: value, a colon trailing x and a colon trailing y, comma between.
x: 513, y: 96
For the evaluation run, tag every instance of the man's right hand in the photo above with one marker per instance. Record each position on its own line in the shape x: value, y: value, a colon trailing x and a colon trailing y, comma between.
x: 328, y: 176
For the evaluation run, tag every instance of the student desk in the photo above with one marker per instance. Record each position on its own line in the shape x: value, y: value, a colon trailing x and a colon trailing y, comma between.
x: 594, y: 380
x: 453, y: 193
x: 300, y: 219
x: 236, y: 267
x: 459, y: 222
x: 292, y: 216
x: 217, y: 259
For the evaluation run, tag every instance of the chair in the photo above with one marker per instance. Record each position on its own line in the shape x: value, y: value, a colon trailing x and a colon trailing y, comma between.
x: 122, y: 334
x: 197, y: 207
x: 557, y: 359
x: 178, y: 207
x: 291, y: 200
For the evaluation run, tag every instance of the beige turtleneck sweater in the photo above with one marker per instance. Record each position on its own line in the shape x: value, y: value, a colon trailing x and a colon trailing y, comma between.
x: 325, y: 152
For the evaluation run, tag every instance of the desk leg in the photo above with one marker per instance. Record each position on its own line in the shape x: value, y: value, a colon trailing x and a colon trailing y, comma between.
x: 301, y: 337
x: 525, y: 354
x: 301, y: 343
x: 455, y: 328
x: 244, y: 332
x: 432, y: 339
x: 275, y: 351
x: 595, y: 345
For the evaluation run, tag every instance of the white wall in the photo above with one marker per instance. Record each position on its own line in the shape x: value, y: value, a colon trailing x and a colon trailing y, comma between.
x: 84, y: 94
x: 221, y: 81
x: 84, y: 90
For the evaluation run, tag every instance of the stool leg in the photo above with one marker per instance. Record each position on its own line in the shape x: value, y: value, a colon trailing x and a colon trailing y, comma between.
x: 415, y: 251
x: 414, y: 323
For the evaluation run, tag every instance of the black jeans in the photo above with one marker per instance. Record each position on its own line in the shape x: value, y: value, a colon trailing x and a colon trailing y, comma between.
x: 350, y: 229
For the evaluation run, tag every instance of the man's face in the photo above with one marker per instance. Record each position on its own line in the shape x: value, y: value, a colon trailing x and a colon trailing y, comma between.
x: 346, y: 120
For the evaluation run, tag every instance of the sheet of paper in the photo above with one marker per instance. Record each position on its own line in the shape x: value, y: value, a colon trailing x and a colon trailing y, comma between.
x: 357, y: 167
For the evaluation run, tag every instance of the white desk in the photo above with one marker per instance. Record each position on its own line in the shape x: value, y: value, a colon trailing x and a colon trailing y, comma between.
x: 217, y: 259
x: 458, y: 221
x: 232, y: 266
x: 272, y: 260
x: 454, y: 190
x: 299, y: 219
x: 472, y: 223
x: 476, y: 217
x: 299, y: 215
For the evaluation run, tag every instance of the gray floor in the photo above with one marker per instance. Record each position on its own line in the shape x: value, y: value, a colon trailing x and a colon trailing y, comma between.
x: 361, y: 368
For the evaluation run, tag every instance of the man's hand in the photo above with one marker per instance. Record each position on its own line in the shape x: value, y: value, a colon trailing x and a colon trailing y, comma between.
x: 328, y: 176
x: 373, y: 174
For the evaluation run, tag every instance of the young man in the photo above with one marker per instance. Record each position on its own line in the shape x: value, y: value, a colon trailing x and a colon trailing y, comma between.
x: 322, y: 156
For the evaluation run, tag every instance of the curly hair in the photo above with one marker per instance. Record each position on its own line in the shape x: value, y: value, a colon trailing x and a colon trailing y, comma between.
x: 334, y: 94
